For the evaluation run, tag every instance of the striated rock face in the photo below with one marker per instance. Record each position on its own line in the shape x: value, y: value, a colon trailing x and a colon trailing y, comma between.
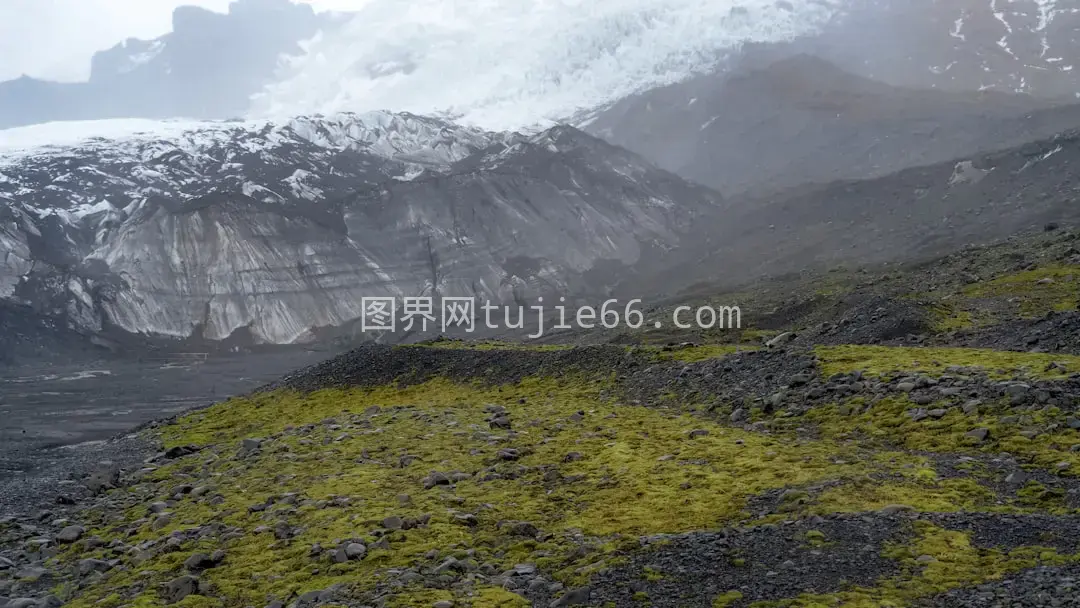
x: 279, y: 230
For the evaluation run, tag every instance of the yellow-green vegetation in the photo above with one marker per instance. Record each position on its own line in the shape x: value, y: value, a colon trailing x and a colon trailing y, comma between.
x: 692, y: 354
x: 1033, y: 293
x: 591, y: 475
x: 889, y: 423
x: 934, y: 361
x: 726, y: 599
x: 946, y: 318
x: 938, y: 560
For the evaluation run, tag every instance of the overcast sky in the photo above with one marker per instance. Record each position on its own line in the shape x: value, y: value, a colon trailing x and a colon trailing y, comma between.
x: 55, y: 39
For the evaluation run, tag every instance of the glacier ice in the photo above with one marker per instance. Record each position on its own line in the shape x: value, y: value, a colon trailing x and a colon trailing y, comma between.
x: 511, y: 65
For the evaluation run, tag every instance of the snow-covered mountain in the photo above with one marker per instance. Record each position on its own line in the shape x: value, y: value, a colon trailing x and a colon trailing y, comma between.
x: 276, y: 230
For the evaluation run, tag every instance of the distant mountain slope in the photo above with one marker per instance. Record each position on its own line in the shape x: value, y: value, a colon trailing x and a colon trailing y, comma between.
x: 207, y: 67
x: 276, y: 231
x: 909, y: 215
x: 768, y: 126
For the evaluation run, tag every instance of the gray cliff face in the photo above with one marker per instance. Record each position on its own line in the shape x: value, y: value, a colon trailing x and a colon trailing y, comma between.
x: 208, y: 66
x: 278, y: 231
x: 775, y: 122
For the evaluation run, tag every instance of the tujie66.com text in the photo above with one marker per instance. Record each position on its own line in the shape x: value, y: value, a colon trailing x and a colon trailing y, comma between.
x: 382, y: 314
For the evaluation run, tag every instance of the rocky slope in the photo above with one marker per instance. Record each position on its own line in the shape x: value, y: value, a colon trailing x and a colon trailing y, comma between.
x: 775, y: 122
x: 275, y: 231
x: 208, y: 66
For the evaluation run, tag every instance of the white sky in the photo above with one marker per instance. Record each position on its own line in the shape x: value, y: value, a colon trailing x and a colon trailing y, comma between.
x: 55, y: 39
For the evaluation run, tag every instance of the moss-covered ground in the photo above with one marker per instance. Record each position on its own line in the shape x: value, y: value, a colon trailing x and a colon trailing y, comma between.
x: 560, y: 473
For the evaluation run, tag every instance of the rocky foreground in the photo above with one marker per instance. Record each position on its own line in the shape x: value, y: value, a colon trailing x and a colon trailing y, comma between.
x: 858, y: 461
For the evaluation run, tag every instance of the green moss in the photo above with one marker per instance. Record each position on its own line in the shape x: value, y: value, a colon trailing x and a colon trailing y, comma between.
x: 888, y: 423
x: 639, y: 473
x: 726, y: 599
x: 934, y: 361
x: 591, y: 473
x: 948, y: 318
x: 962, y: 494
x: 1035, y: 495
x: 692, y: 354
x: 815, y: 538
x: 418, y: 598
x: 497, y: 597
x: 199, y: 601
x: 1033, y: 293
x: 937, y: 561
x: 653, y: 575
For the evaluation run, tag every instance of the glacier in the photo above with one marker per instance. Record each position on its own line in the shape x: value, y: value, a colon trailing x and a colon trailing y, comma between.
x: 525, y: 64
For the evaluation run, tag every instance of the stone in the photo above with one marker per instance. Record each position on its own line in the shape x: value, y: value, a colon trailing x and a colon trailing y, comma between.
x: 179, y: 588
x: 86, y: 566
x: 392, y: 523
x: 1017, y: 478
x: 1018, y: 393
x: 979, y: 434
x: 70, y: 534
x: 199, y: 561
x: 573, y: 598
x: 800, y: 379
x: 355, y: 551
x: 435, y: 478
x: 508, y: 454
